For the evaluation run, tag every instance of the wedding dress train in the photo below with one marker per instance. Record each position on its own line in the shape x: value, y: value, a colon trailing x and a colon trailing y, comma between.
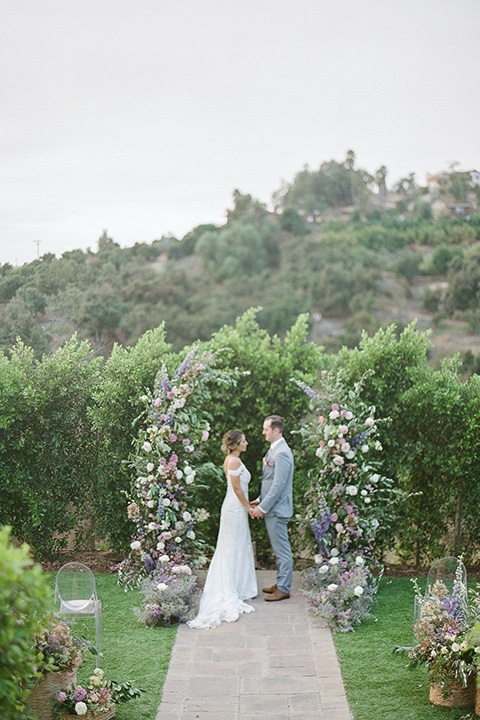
x: 231, y: 576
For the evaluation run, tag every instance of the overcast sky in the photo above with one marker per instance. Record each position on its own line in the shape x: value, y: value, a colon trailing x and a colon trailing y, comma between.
x: 142, y: 116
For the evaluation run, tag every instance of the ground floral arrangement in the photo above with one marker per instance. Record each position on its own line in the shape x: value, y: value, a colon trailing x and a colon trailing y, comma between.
x: 348, y: 505
x: 165, y: 549
x: 60, y: 650
x: 447, y: 633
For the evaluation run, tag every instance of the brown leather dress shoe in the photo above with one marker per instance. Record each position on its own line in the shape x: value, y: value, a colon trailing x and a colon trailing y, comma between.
x: 270, y: 589
x: 277, y: 595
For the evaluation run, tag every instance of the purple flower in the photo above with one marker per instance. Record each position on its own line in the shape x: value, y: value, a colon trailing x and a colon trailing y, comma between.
x: 62, y: 696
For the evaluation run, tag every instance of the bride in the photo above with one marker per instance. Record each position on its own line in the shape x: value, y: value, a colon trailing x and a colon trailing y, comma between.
x: 231, y: 576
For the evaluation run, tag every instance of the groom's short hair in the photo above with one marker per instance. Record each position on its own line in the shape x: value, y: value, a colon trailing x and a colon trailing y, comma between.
x: 276, y: 422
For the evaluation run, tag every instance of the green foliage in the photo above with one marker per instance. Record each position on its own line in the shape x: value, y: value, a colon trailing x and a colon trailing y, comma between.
x: 24, y: 596
x: 408, y: 264
x: 441, y: 416
x: 292, y: 222
x: 238, y: 248
x: 48, y: 457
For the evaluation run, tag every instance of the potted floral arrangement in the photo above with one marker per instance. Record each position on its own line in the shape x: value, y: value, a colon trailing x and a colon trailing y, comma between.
x: 97, y: 700
x: 445, y: 645
x: 61, y: 652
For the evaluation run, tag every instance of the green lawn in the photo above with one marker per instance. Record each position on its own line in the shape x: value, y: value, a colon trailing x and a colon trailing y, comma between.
x: 131, y: 651
x: 379, y: 686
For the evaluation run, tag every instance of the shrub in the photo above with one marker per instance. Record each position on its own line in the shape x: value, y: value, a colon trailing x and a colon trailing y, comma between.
x: 24, y: 595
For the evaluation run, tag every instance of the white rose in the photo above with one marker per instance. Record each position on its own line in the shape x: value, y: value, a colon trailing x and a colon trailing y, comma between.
x: 317, y: 559
x: 375, y: 478
x: 191, y: 535
x: 339, y: 527
x: 160, y: 546
x: 81, y: 708
x: 152, y: 526
x: 136, y: 545
x: 150, y: 467
x: 333, y: 561
x: 348, y: 415
x: 150, y: 503
x: 166, y: 502
x: 346, y: 447
x: 338, y: 460
x: 188, y: 470
x: 364, y: 448
x: 162, y: 586
x: 351, y: 490
x: 178, y: 540
x: 186, y: 516
x: 190, y: 478
x: 331, y: 443
x: 167, y: 535
x: 319, y: 452
x: 334, y: 552
x: 368, y: 501
x: 369, y: 422
x: 359, y: 561
x: 147, y: 447
x: 363, y: 492
x: 351, y: 454
x: 163, y: 558
x: 455, y: 647
x: 323, y: 569
x: 358, y: 591
x: 444, y: 650
x: 334, y: 414
x: 179, y: 474
x: 332, y: 587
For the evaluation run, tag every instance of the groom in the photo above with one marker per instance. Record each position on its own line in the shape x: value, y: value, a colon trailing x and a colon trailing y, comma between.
x: 276, y: 504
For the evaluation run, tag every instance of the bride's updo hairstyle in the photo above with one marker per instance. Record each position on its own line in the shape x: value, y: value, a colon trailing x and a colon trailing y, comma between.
x: 231, y: 439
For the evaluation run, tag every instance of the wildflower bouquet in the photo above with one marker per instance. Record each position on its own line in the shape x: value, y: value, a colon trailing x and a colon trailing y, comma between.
x: 97, y: 699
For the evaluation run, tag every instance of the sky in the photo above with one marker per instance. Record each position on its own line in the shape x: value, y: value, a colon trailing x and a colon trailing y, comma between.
x: 140, y: 117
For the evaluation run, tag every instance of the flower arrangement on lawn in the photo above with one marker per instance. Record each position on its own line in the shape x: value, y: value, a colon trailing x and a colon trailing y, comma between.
x: 61, y: 648
x: 349, y: 502
x: 444, y: 635
x: 97, y: 699
x: 175, y: 429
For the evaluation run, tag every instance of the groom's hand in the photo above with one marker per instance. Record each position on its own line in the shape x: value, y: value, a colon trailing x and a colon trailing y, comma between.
x: 256, y: 512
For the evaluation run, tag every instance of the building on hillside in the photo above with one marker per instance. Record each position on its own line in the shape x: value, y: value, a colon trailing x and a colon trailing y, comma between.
x: 460, y: 209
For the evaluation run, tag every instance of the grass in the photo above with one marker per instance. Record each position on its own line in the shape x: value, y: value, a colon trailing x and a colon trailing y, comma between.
x: 378, y: 684
x: 131, y: 651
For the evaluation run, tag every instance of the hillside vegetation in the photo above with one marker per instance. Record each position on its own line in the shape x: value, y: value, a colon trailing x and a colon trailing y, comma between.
x: 337, y: 245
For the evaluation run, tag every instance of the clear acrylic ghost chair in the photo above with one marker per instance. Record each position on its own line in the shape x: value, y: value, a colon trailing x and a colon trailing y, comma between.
x: 76, y: 592
x: 444, y: 569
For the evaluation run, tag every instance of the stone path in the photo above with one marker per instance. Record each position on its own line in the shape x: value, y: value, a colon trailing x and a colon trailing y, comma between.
x: 273, y: 664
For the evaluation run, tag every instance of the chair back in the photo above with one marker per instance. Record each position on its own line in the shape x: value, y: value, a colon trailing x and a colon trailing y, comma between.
x: 446, y: 569
x: 75, y: 588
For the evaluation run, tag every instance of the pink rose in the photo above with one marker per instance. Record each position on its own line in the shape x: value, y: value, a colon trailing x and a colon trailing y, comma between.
x: 170, y: 395
x: 321, y: 419
x: 80, y: 693
x: 205, y: 435
x: 158, y: 402
x: 335, y: 406
x: 186, y: 441
x: 62, y: 696
x: 343, y: 429
x: 343, y: 413
x: 172, y: 438
x: 334, y: 517
x: 321, y: 443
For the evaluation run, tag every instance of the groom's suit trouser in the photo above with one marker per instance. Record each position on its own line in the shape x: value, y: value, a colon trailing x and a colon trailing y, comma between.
x: 277, y: 528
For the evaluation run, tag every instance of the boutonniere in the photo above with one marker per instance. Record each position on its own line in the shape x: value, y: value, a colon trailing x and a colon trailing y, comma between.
x: 267, y: 460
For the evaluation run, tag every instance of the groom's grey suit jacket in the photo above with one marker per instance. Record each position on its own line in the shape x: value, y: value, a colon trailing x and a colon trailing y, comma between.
x: 276, y: 496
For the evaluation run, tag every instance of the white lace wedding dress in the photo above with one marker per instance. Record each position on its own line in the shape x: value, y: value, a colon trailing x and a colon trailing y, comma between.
x: 231, y: 576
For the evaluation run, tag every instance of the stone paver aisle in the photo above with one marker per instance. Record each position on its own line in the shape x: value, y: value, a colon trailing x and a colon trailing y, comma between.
x: 273, y: 664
